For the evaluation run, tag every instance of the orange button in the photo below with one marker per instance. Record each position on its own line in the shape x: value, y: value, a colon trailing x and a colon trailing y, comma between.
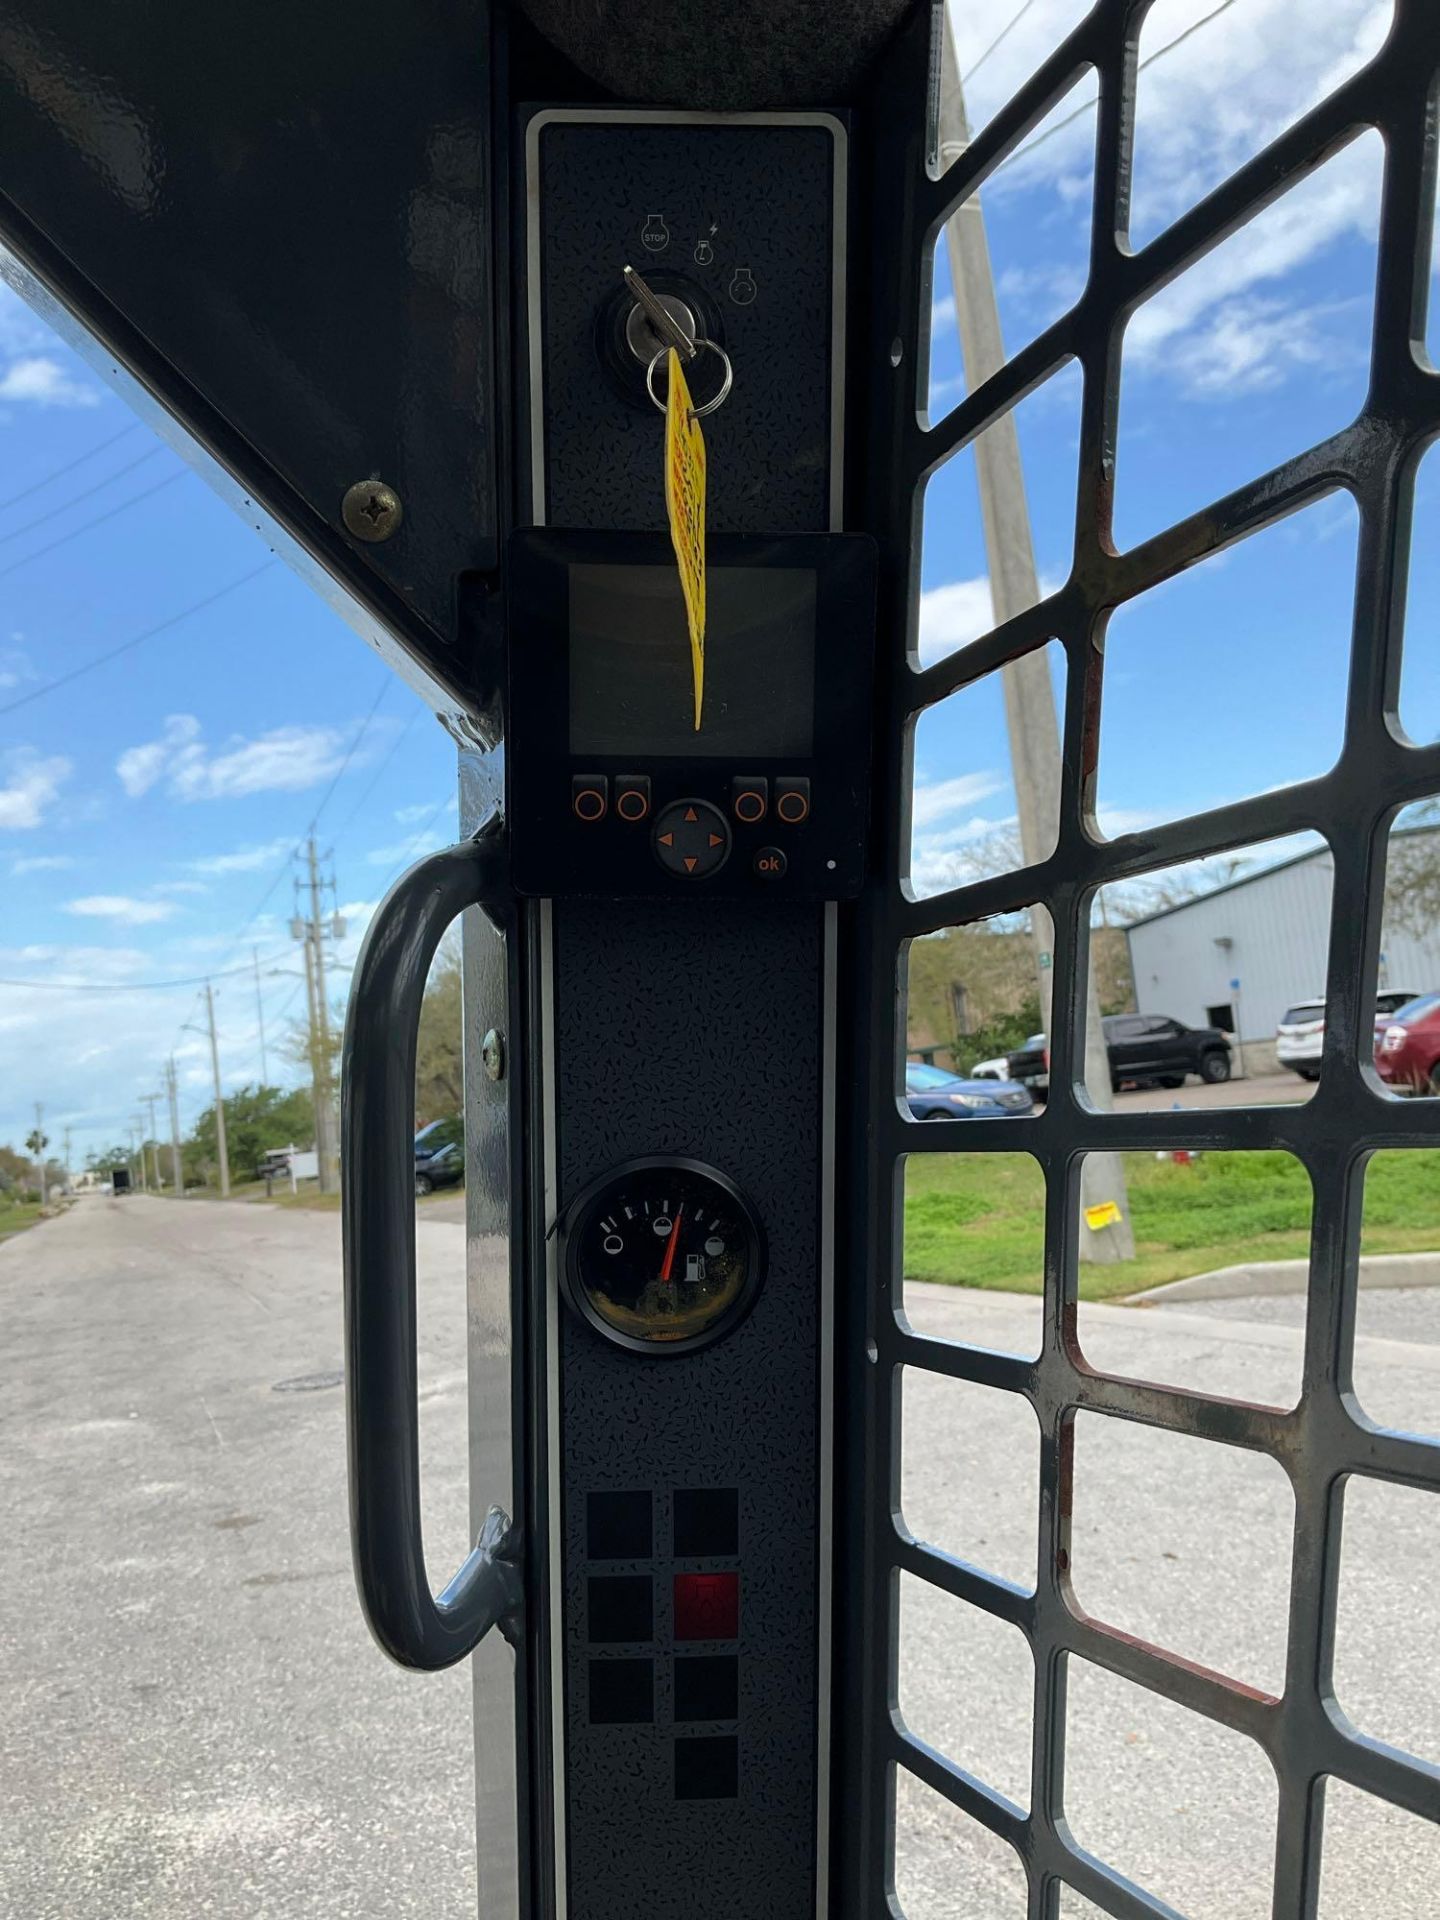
x: 632, y: 796
x: 792, y: 801
x: 749, y: 798
x: 589, y: 797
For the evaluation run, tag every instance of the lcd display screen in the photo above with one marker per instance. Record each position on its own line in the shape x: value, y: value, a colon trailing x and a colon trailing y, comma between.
x: 631, y: 691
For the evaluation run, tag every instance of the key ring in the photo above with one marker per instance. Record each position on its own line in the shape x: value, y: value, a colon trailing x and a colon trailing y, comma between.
x: 719, y: 399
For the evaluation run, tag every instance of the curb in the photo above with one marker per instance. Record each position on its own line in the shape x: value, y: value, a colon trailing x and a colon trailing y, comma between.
x: 1264, y: 1277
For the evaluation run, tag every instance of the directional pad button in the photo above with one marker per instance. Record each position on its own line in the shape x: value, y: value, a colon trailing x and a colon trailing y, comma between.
x: 691, y: 839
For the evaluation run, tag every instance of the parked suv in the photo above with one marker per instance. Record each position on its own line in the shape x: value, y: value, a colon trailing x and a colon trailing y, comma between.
x: 1145, y: 1048
x: 1300, y: 1036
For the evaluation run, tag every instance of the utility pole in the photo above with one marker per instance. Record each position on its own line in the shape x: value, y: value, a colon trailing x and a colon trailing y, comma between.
x: 69, y: 1176
x: 328, y: 1168
x: 149, y: 1100
x: 172, y: 1092
x: 219, y: 1096
x: 313, y: 930
x: 260, y: 1016
x: 137, y: 1147
x: 1015, y: 586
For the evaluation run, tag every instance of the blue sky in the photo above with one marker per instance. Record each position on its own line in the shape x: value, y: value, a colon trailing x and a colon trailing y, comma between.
x: 146, y: 808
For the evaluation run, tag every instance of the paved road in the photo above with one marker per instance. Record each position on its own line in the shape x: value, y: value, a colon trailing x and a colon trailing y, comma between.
x: 196, y: 1722
x: 1263, y: 1090
x: 1187, y: 1545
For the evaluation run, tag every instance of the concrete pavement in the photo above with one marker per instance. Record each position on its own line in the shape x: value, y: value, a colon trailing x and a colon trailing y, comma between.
x: 1186, y: 1544
x: 198, y: 1724
x: 196, y: 1721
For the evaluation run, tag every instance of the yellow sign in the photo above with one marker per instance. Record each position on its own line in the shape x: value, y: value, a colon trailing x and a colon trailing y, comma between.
x: 685, y: 507
x: 1107, y: 1214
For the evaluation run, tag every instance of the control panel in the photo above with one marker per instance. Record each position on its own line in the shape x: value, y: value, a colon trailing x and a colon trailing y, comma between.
x: 738, y: 226
x: 687, y: 1055
x: 615, y: 790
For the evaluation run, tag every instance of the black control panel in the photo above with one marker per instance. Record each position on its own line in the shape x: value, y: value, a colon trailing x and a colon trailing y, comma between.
x: 613, y: 787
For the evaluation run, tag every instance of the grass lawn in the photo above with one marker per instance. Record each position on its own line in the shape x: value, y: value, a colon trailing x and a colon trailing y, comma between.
x: 976, y: 1220
x: 16, y: 1215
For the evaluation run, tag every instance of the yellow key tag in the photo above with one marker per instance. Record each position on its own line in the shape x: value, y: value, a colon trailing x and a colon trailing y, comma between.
x: 685, y: 507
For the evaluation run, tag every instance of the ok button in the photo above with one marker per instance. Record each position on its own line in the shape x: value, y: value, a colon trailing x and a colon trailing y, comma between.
x: 692, y: 839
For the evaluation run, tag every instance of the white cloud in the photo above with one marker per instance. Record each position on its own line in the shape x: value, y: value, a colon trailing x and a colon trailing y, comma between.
x: 407, y: 816
x: 180, y: 886
x: 40, y: 863
x: 1219, y: 292
x: 285, y: 760
x: 43, y: 382
x: 15, y: 666
x: 31, y: 784
x: 937, y: 800
x: 243, y: 859
x: 1115, y: 821
x: 124, y: 911
x: 1202, y: 111
x: 140, y: 767
x: 952, y: 616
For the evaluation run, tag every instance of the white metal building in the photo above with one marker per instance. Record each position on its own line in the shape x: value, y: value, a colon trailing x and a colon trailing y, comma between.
x: 1239, y: 956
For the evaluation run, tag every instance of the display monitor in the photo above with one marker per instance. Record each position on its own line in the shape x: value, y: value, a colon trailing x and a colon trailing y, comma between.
x: 631, y: 686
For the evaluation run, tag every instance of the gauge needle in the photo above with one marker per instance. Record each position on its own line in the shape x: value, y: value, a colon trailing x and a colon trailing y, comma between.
x: 669, y: 1259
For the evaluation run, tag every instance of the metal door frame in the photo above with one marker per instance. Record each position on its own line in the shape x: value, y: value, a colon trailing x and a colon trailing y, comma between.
x: 1326, y: 1437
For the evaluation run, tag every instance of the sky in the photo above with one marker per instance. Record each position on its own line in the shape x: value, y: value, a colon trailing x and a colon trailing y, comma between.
x: 151, y: 808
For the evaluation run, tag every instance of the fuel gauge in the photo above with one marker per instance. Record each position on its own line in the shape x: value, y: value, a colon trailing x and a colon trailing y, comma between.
x: 662, y: 1255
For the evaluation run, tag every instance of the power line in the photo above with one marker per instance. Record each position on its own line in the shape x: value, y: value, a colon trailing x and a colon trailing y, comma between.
x: 426, y: 824
x: 1000, y: 37
x: 101, y: 659
x: 385, y: 685
x: 259, y: 908
x: 58, y: 473
x: 86, y: 493
x: 129, y: 986
x: 98, y: 521
x: 398, y: 742
x: 1148, y: 61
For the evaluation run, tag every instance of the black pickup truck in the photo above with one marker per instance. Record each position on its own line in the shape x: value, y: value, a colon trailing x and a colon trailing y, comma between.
x: 1145, y: 1049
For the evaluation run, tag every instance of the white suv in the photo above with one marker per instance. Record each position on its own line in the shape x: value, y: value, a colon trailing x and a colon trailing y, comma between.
x: 1300, y: 1036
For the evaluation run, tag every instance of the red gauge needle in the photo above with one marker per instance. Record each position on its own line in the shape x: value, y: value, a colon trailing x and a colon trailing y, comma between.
x: 669, y: 1259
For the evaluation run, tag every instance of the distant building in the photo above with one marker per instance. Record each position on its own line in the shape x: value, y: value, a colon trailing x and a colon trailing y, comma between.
x: 1239, y: 956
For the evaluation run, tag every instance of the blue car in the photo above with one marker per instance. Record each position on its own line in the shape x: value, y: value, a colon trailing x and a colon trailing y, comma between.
x: 936, y: 1095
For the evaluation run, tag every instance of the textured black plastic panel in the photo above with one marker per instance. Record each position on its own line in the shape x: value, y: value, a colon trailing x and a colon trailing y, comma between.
x: 769, y: 194
x: 690, y: 1029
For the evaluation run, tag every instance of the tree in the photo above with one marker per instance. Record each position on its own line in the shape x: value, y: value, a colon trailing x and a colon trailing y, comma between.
x: 1412, y: 873
x: 257, y: 1118
x: 439, y: 1069
x: 37, y: 1141
x: 17, y: 1174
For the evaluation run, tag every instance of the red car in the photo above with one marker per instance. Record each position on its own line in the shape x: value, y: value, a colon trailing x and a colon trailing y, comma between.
x: 1408, y: 1053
